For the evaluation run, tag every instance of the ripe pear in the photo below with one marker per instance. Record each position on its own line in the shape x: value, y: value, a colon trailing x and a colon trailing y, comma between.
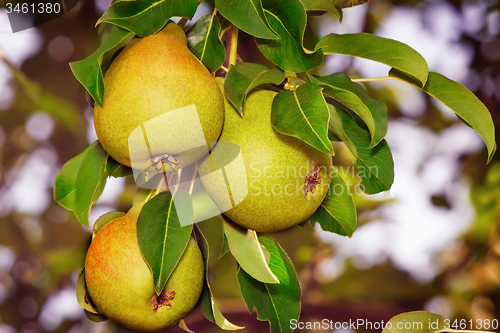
x: 148, y: 80
x: 120, y: 283
x: 276, y: 169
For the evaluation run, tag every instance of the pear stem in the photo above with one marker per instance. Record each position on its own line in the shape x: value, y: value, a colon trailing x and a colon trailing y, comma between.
x: 191, y: 186
x: 164, y: 175
x: 177, y: 182
x: 182, y: 22
x: 179, y: 172
x: 234, y: 46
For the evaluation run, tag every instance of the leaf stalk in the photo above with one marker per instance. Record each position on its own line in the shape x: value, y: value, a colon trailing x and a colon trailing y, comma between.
x: 191, y: 186
x: 234, y: 46
x: 376, y: 79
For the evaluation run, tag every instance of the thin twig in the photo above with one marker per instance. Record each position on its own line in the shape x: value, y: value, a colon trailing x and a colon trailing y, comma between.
x: 386, y: 78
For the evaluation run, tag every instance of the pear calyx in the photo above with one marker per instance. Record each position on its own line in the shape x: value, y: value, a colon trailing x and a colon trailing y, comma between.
x: 311, y: 180
x: 163, y: 299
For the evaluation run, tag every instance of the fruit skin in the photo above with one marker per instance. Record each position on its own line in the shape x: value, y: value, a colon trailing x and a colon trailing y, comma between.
x: 120, y: 282
x: 152, y: 76
x: 268, y: 153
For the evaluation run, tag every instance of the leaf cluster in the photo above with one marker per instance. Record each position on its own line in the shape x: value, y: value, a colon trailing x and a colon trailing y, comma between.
x: 316, y: 109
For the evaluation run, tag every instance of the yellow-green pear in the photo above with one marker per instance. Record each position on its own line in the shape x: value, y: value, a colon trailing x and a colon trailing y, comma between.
x: 120, y: 282
x: 155, y: 92
x: 276, y: 167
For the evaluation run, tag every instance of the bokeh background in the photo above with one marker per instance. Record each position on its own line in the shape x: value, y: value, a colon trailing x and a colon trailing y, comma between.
x: 432, y: 242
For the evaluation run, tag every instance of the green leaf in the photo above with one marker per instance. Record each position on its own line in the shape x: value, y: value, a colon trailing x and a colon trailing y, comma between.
x: 373, y: 113
x: 322, y: 5
x: 415, y: 322
x: 375, y: 166
x: 89, y: 72
x: 183, y: 326
x: 161, y: 237
x: 203, y: 41
x: 395, y: 73
x: 247, y: 15
x: 82, y: 295
x: 348, y: 3
x: 95, y: 317
x: 387, y: 51
x: 146, y: 17
x: 288, y: 19
x: 466, y: 106
x: 103, y: 31
x: 304, y: 114
x: 105, y: 219
x: 225, y: 25
x: 106, y: 32
x: 207, y: 302
x: 116, y: 170
x: 337, y: 212
x: 66, y: 184
x: 90, y: 181
x: 64, y: 187
x: 336, y: 130
x: 276, y: 303
x: 247, y: 250
x: 225, y: 247
x: 84, y: 300
x: 245, y: 76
